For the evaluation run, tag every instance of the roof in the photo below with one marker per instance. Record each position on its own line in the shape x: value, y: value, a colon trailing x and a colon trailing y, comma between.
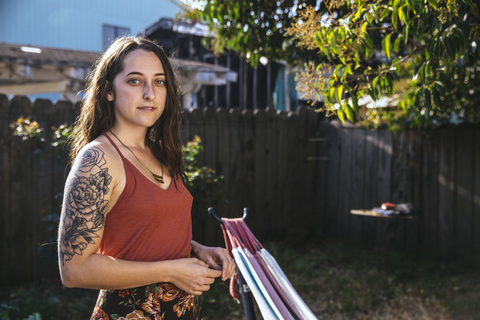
x: 30, y: 70
x: 43, y: 55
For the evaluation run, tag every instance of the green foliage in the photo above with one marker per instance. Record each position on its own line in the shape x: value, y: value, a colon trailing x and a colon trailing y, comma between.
x: 203, y: 183
x: 369, y: 47
x: 28, y: 129
x: 61, y: 135
x: 364, y: 48
x: 253, y: 29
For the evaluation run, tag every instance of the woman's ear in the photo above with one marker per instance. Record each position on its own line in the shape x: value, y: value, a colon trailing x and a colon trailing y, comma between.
x: 109, y: 92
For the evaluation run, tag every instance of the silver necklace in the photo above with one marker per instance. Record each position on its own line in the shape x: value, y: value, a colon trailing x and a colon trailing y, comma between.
x: 157, y: 178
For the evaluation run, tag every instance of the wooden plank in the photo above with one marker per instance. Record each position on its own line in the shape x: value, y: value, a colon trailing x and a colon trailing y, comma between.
x: 209, y: 139
x: 476, y: 199
x: 358, y: 184
x: 223, y: 164
x: 195, y: 124
x: 20, y: 240
x: 186, y: 123
x: 293, y: 210
x: 5, y: 188
x: 430, y: 192
x: 446, y: 184
x: 331, y: 181
x: 414, y: 185
x: 235, y: 171
x: 385, y: 155
x: 281, y: 176
x: 371, y: 176
x: 271, y: 170
x: 345, y: 181
x: 399, y: 178
x: 261, y: 163
x: 309, y: 175
x: 463, y: 194
x: 42, y: 196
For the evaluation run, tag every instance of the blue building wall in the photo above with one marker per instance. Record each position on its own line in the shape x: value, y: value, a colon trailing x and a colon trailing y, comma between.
x: 76, y: 24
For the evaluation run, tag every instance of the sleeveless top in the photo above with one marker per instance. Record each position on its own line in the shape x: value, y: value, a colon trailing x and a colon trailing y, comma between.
x: 148, y: 223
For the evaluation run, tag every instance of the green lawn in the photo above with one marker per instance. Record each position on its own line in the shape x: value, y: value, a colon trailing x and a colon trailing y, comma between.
x: 337, y: 282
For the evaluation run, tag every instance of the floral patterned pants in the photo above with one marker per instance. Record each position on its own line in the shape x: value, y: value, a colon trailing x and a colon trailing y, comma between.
x: 162, y: 301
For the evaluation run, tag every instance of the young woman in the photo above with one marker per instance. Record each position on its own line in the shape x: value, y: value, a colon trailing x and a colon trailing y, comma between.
x: 125, y: 226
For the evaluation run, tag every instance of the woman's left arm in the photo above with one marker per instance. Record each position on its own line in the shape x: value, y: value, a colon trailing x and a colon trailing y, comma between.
x: 217, y: 258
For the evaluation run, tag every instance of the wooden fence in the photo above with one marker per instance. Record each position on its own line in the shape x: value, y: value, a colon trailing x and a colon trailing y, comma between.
x: 437, y: 171
x: 299, y: 176
x: 260, y: 153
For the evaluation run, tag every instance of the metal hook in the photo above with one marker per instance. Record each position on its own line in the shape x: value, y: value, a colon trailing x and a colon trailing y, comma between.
x: 211, y: 212
x: 246, y: 211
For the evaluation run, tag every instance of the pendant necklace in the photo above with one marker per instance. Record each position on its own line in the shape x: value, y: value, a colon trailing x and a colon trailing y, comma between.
x: 157, y: 178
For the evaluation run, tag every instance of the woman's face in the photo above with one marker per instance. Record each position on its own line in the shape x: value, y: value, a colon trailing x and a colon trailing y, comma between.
x: 139, y: 91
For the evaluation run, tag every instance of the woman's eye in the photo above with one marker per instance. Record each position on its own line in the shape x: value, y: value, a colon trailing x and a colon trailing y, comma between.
x: 133, y: 81
x: 161, y: 82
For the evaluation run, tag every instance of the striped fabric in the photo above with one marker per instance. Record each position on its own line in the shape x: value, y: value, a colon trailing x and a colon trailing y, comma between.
x: 275, y: 296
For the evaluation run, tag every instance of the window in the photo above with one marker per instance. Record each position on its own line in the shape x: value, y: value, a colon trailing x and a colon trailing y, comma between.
x: 110, y: 33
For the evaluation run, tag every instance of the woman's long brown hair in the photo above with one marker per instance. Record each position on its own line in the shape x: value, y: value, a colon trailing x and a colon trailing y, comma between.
x: 97, y: 114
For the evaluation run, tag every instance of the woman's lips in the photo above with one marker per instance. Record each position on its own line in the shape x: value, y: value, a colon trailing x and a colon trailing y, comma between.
x: 147, y: 108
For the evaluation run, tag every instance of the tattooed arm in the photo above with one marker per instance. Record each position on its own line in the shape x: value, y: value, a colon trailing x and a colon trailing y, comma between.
x: 92, y: 187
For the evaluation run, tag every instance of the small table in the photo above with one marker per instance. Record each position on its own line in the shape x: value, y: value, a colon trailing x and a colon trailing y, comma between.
x: 395, y: 221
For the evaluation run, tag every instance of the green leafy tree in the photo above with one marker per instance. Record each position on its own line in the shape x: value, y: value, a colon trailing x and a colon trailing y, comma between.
x: 253, y: 29
x: 425, y: 51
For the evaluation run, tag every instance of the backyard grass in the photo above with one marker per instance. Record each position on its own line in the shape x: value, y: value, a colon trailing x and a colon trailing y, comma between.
x: 337, y: 281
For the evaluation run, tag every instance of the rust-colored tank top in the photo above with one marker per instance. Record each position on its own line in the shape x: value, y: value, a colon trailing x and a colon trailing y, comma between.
x: 148, y: 223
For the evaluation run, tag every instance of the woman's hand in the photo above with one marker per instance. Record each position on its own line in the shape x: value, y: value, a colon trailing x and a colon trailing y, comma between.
x: 217, y: 258
x: 193, y: 276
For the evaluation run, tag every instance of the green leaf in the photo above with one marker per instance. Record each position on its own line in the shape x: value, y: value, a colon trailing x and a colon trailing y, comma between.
x: 332, y: 94
x: 368, y: 44
x: 410, y: 5
x: 419, y: 72
x: 355, y: 103
x: 338, y: 93
x: 340, y: 115
x: 336, y: 72
x: 417, y: 101
x: 401, y: 15
x: 348, y: 111
x: 375, y: 82
x: 427, y: 98
x: 386, y: 45
x: 396, y: 44
x: 406, y: 31
x: 436, y: 96
x: 449, y: 47
x: 377, y: 18
x: 395, y: 19
x: 433, y: 3
x: 388, y: 84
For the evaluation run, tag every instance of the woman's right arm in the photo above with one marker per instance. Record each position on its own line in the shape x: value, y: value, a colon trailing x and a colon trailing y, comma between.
x: 87, y: 197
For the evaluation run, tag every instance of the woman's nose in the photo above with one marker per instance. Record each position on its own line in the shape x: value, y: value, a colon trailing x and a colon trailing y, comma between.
x: 149, y: 93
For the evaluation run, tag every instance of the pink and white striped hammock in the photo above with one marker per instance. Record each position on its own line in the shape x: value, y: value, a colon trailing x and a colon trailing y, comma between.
x: 275, y: 296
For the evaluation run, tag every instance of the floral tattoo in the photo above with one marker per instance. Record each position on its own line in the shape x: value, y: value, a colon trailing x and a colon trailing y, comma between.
x: 85, y: 205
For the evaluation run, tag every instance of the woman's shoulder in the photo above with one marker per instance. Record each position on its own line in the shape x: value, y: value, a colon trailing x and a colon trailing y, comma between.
x: 99, y: 153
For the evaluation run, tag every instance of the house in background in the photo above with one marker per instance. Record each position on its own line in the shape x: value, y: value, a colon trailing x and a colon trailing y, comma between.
x: 48, y: 46
x: 270, y: 84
